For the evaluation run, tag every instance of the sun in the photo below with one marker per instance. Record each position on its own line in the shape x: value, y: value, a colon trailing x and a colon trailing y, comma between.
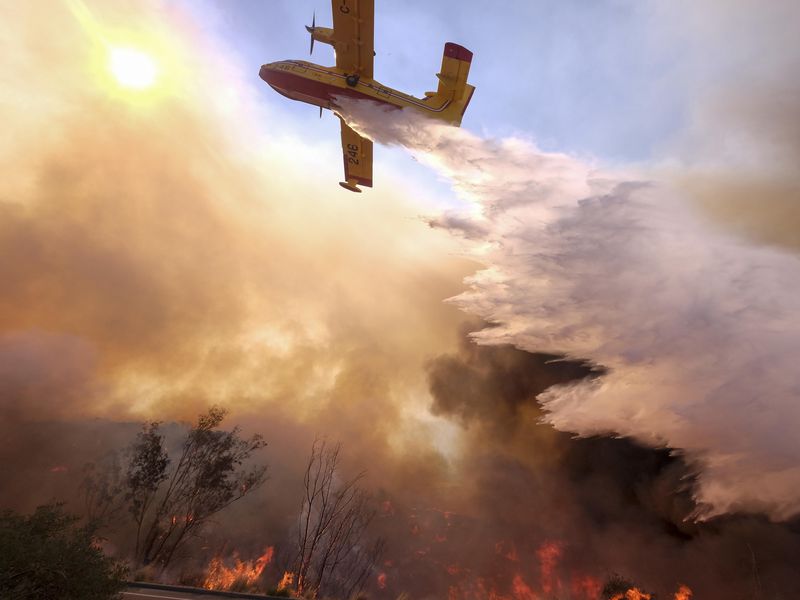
x: 133, y: 68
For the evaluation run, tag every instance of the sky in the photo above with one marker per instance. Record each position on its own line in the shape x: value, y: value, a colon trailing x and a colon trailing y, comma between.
x: 622, y: 197
x: 564, y: 72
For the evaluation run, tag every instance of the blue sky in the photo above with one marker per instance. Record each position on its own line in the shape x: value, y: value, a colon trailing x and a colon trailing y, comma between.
x: 589, y: 78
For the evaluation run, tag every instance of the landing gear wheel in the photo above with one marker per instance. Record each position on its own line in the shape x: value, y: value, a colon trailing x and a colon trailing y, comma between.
x: 352, y: 80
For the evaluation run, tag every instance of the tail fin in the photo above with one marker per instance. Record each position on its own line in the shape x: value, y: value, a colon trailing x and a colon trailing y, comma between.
x: 453, y: 86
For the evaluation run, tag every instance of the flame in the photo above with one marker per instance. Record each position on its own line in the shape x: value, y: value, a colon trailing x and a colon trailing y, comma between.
x: 586, y: 587
x: 548, y: 553
x: 286, y: 581
x: 632, y: 594
x: 684, y: 593
x: 510, y: 553
x: 387, y: 508
x: 185, y: 519
x: 521, y: 584
x: 522, y: 590
x: 382, y: 581
x: 244, y: 573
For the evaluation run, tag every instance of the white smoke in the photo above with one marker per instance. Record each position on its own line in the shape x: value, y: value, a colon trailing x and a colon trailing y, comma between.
x: 699, y: 330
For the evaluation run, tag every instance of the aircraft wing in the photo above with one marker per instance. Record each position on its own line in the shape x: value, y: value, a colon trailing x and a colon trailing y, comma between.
x: 357, y: 152
x: 354, y: 31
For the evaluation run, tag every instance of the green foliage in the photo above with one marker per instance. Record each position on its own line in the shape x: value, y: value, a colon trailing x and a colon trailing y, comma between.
x: 169, y: 499
x: 146, y: 469
x: 170, y: 506
x: 48, y: 555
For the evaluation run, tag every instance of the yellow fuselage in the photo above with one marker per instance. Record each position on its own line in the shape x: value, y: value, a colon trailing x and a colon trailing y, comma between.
x: 322, y: 86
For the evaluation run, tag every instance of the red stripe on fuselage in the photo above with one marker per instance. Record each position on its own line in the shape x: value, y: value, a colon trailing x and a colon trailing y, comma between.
x: 285, y: 83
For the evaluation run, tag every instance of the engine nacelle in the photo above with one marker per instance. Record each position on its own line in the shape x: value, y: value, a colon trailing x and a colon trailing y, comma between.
x: 321, y: 34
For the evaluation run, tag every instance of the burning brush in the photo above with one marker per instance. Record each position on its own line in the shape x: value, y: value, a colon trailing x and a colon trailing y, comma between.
x: 242, y: 576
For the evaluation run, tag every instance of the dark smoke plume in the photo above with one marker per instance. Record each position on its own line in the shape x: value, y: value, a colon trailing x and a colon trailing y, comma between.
x: 610, y: 505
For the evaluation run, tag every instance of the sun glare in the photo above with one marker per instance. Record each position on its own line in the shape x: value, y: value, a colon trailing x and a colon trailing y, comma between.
x: 133, y: 68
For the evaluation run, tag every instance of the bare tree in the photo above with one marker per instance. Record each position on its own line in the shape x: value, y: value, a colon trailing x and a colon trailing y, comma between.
x: 333, y: 557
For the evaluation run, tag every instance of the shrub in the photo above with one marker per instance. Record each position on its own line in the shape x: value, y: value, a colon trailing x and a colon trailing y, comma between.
x: 49, y: 555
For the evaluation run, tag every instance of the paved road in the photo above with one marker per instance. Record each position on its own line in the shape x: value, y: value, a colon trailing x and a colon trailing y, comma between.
x: 142, y: 594
x: 135, y: 592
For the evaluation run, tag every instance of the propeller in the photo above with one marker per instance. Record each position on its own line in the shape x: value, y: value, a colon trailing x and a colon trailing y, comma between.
x: 311, y: 31
x: 320, y: 112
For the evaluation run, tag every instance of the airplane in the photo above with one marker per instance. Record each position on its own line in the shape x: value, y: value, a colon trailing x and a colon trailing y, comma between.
x: 352, y: 38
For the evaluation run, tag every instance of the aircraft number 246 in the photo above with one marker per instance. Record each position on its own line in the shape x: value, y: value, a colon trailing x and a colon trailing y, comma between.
x: 352, y: 150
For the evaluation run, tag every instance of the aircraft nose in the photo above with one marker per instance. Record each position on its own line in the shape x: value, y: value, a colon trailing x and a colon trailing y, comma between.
x: 266, y: 72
